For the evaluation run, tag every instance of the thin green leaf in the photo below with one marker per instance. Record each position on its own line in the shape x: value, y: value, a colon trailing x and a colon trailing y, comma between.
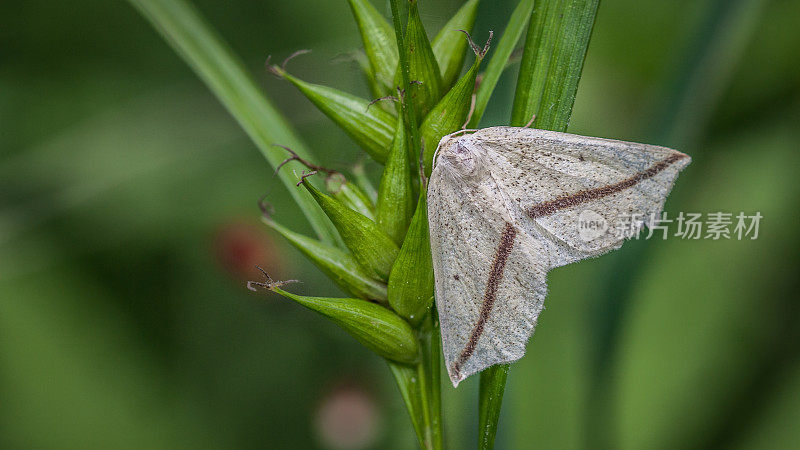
x: 374, y: 326
x: 552, y: 61
x: 449, y: 45
x: 371, y: 128
x: 493, y: 384
x: 499, y: 60
x: 425, y: 88
x: 371, y: 247
x: 188, y: 33
x: 396, y: 196
x: 337, y: 265
x: 431, y: 345
x: 379, y: 45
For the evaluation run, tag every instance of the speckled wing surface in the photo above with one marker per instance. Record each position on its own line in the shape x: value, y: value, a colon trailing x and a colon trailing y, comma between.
x: 505, y: 206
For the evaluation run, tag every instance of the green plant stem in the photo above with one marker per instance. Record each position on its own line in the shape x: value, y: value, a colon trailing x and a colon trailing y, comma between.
x: 428, y: 385
x: 194, y: 39
x: 552, y: 62
x: 431, y: 342
x: 490, y: 399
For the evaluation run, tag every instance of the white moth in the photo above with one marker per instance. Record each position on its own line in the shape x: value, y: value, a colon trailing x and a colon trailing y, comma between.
x: 508, y: 204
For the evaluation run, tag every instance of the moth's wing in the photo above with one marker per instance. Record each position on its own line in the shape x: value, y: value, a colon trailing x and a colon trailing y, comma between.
x: 552, y: 180
x: 490, y: 278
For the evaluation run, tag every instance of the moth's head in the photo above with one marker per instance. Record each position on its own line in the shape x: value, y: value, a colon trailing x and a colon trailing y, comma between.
x: 460, y: 155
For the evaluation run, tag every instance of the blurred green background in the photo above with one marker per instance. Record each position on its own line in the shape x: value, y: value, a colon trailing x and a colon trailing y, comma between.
x: 128, y: 226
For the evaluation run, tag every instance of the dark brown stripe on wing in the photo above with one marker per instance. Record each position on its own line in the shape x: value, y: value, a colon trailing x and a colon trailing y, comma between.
x: 489, y: 297
x: 551, y: 206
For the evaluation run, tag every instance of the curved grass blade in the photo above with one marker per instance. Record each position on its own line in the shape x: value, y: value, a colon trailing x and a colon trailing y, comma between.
x: 192, y: 38
x: 497, y: 63
x: 378, y: 38
x: 371, y: 128
x: 449, y: 46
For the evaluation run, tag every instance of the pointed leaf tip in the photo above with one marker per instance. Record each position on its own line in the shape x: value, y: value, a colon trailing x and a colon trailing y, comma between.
x: 371, y: 128
x: 372, y: 248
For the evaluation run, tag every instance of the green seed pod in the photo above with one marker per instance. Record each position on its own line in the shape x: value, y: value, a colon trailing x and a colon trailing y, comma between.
x: 379, y: 44
x: 350, y: 194
x: 374, y: 326
x: 449, y: 114
x: 395, y: 195
x: 371, y: 128
x: 411, y: 281
x: 371, y: 247
x: 449, y: 45
x: 424, y: 74
x: 336, y: 264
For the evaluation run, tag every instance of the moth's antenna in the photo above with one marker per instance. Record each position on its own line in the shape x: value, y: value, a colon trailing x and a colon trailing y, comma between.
x: 530, y: 122
x: 268, y: 282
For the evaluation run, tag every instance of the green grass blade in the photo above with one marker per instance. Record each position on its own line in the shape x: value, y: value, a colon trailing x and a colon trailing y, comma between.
x: 500, y: 55
x: 552, y: 62
x: 493, y: 383
x: 189, y: 34
x: 548, y: 80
